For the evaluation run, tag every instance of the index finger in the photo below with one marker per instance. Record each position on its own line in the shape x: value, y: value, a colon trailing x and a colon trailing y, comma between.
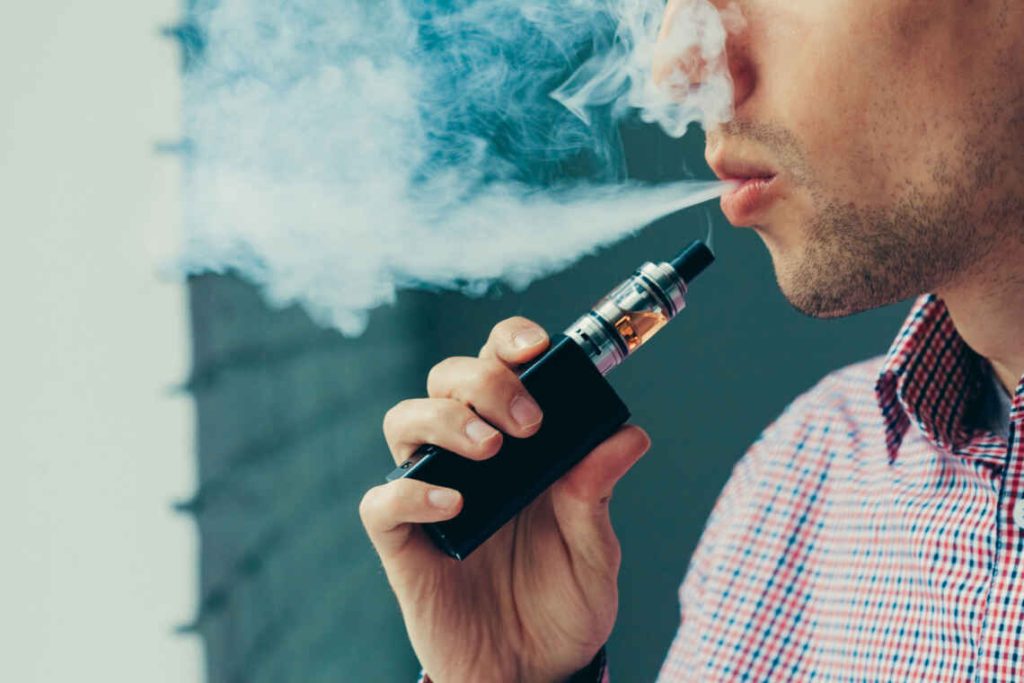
x: 514, y: 341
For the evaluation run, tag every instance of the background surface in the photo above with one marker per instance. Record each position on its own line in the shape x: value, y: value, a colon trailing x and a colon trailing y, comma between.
x: 98, y: 571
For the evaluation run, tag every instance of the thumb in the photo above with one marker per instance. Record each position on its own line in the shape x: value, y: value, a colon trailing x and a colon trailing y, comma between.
x: 581, y: 497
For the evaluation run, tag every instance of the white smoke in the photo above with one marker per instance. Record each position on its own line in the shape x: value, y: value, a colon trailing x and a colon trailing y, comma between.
x: 339, y: 152
x: 694, y: 82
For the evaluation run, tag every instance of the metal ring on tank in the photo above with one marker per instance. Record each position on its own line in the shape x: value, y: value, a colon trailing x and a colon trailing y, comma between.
x: 595, y: 332
x: 594, y: 338
x: 668, y: 283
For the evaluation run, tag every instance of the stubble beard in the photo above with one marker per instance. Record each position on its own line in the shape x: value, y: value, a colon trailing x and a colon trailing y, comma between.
x: 855, y: 259
x: 928, y: 239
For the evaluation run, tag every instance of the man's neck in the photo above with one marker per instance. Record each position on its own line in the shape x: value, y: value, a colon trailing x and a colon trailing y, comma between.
x: 987, y: 308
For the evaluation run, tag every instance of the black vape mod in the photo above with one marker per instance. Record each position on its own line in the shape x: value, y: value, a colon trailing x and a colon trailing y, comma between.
x: 580, y: 407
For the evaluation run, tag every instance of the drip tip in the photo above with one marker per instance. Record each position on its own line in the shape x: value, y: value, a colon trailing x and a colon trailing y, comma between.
x: 692, y: 261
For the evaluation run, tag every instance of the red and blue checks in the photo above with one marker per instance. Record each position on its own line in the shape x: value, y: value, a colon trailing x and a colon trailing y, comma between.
x: 875, y: 532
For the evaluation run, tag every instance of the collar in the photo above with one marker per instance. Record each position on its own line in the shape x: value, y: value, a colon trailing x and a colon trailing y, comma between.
x: 930, y: 378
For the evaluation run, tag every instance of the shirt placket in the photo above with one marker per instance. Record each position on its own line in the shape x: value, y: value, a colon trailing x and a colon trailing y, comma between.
x: 1000, y: 655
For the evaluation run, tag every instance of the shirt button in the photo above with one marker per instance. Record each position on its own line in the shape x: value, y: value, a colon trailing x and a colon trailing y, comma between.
x: 1018, y: 514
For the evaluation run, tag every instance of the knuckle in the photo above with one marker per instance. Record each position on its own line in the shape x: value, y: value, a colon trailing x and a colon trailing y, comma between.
x: 490, y: 378
x: 368, y: 504
x: 437, y: 374
x: 432, y: 428
x: 393, y: 417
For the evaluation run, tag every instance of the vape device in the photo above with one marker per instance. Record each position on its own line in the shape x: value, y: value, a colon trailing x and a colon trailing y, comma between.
x: 580, y: 407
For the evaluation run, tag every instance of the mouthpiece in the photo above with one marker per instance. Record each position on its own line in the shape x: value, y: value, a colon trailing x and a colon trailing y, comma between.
x: 692, y: 261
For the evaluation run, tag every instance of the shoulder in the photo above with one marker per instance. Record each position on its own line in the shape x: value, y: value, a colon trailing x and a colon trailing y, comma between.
x: 812, y: 446
x: 816, y: 439
x: 841, y: 402
x: 775, y: 507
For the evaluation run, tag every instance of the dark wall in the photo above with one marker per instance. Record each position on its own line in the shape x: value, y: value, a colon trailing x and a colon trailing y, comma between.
x: 289, y: 438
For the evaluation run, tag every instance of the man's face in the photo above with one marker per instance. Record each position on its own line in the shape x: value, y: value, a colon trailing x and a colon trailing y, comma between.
x: 890, y: 138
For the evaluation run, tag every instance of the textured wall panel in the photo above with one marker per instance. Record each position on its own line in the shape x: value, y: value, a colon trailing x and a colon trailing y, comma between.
x: 288, y: 440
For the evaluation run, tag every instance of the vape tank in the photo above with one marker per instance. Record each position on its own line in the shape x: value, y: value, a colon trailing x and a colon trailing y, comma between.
x: 628, y: 316
x: 581, y: 409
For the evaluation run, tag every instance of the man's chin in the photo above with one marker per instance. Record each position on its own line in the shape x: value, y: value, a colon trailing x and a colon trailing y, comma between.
x: 827, y: 293
x: 815, y: 304
x: 818, y: 289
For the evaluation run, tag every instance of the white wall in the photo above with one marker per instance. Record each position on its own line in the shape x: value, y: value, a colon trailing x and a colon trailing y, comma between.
x: 95, y: 568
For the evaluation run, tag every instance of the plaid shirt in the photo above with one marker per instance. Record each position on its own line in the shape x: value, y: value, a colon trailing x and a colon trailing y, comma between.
x: 874, y: 532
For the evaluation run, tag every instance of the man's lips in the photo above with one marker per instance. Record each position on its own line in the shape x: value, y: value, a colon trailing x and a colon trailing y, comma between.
x: 755, y: 186
x: 748, y: 198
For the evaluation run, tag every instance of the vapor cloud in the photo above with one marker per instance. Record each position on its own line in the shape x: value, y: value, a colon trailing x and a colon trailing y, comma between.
x: 341, y: 151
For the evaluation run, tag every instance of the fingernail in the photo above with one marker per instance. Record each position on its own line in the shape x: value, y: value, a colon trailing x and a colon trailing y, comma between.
x: 479, y: 431
x: 442, y: 498
x: 525, y: 411
x: 527, y: 338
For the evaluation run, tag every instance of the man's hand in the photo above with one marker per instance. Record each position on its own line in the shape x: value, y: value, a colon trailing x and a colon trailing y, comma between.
x: 539, y: 598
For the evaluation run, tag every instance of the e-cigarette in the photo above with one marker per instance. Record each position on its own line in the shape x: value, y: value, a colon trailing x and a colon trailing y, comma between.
x: 581, y: 409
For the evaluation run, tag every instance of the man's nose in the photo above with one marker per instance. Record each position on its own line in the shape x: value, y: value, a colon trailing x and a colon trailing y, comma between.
x: 681, y: 67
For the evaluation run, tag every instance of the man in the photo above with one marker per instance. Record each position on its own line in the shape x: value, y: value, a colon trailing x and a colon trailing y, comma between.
x: 876, y: 530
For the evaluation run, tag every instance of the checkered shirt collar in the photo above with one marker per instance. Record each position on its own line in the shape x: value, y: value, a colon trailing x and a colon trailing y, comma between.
x: 930, y: 378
